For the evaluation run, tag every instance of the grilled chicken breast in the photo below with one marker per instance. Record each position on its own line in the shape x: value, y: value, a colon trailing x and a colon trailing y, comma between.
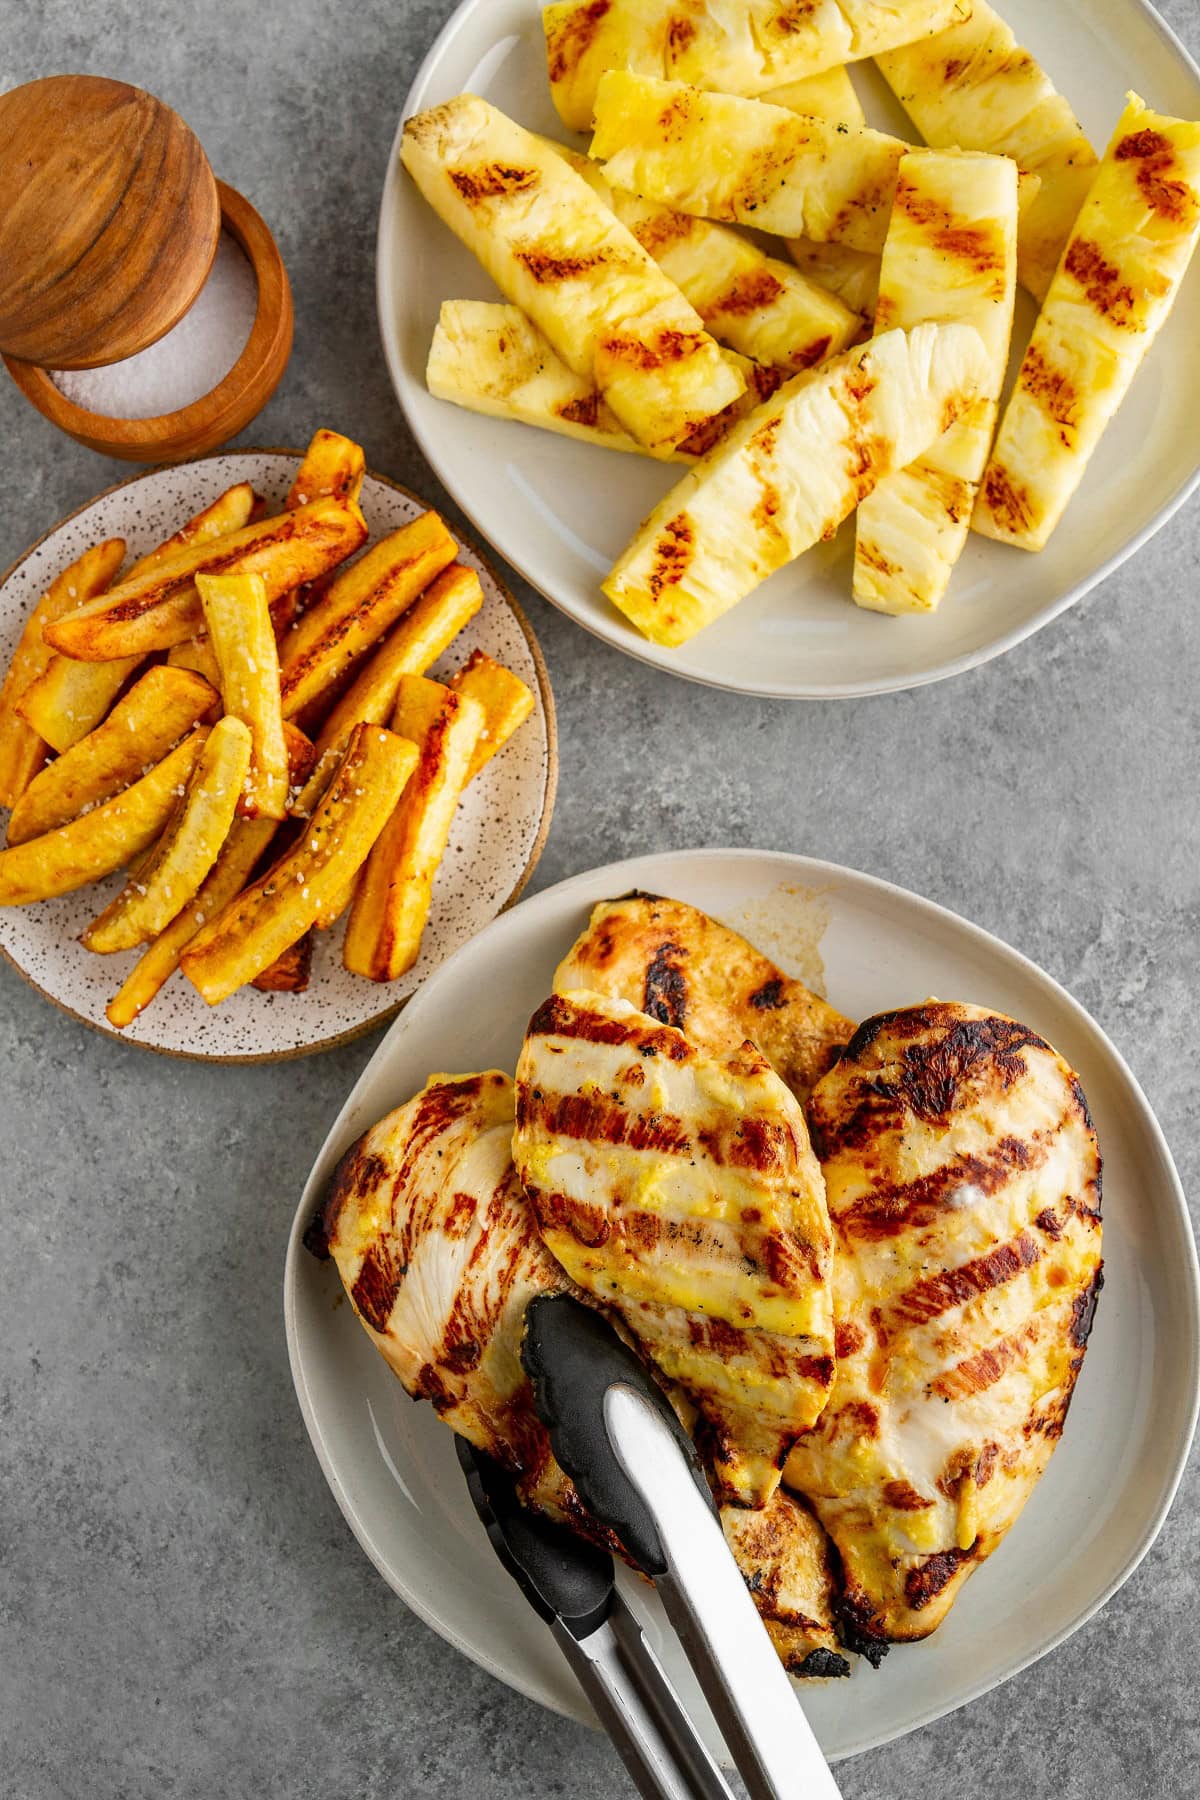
x: 686, y: 969
x: 680, y: 1189
x: 785, y: 1557
x: 436, y: 1248
x: 963, y: 1181
x: 440, y: 1254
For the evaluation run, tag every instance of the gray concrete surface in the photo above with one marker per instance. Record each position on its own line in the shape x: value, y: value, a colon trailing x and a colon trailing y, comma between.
x: 182, y: 1610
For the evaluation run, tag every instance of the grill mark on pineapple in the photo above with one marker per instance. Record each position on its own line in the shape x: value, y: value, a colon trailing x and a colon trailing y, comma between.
x: 950, y: 1288
x: 492, y: 181
x: 812, y: 353
x: 583, y: 411
x: 766, y: 507
x: 668, y: 346
x: 892, y: 1208
x: 976, y: 245
x: 675, y: 116
x: 571, y: 37
x: 702, y: 436
x: 1011, y: 505
x: 674, y: 549
x: 663, y: 229
x: 870, y: 554
x: 680, y: 34
x: 1155, y: 155
x: 975, y: 1374
x: 791, y: 19
x: 864, y: 450
x: 748, y: 292
x: 547, y: 270
x: 1102, y: 283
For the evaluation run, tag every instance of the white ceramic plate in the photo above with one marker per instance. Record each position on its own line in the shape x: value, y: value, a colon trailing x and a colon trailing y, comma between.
x: 562, y: 511
x: 391, y: 1464
x: 497, y: 837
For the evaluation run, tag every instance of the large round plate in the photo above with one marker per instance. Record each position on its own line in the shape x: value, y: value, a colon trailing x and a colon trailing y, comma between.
x: 497, y: 837
x: 561, y: 511
x: 391, y: 1464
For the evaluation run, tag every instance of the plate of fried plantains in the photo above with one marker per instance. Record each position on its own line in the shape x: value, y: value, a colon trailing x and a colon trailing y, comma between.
x: 273, y: 742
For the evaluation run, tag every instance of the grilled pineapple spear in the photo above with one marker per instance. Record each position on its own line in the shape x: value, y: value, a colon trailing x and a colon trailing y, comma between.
x: 756, y: 304
x: 972, y: 86
x: 853, y: 275
x: 790, y: 473
x: 829, y: 95
x: 555, y: 250
x: 950, y: 255
x: 1131, y: 245
x: 744, y: 161
x: 489, y: 358
x: 748, y: 48
x: 749, y: 301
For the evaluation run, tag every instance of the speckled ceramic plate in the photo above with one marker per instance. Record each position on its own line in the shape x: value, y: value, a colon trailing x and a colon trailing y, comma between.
x: 497, y: 837
x: 869, y: 946
x: 562, y: 511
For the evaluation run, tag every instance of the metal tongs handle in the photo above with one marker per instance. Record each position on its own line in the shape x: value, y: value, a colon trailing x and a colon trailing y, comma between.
x: 614, y: 1432
x: 640, y: 1710
x: 569, y: 1584
x: 706, y: 1600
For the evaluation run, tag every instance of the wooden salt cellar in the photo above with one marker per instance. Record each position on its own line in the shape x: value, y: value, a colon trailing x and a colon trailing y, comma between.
x: 110, y: 217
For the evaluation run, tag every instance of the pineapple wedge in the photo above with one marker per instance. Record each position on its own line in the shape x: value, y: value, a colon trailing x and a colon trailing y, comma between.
x: 853, y: 275
x: 974, y: 87
x: 759, y: 306
x: 554, y: 249
x: 1116, y: 283
x: 744, y: 161
x: 489, y: 358
x: 830, y: 95
x: 748, y: 300
x: 789, y: 474
x: 743, y: 48
x: 951, y: 254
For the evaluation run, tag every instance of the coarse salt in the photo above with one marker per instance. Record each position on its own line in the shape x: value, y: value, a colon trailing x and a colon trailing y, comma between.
x: 188, y: 362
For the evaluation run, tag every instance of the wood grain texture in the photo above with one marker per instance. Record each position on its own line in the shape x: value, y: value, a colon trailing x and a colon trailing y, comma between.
x: 215, y: 417
x: 109, y: 219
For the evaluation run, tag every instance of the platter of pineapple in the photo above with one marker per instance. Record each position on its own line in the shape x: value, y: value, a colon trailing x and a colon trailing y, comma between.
x: 896, y: 299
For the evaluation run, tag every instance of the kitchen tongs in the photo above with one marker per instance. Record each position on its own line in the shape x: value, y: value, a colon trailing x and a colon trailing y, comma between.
x: 614, y: 1432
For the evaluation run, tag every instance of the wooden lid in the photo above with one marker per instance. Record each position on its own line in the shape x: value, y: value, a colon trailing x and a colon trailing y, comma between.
x: 109, y: 220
